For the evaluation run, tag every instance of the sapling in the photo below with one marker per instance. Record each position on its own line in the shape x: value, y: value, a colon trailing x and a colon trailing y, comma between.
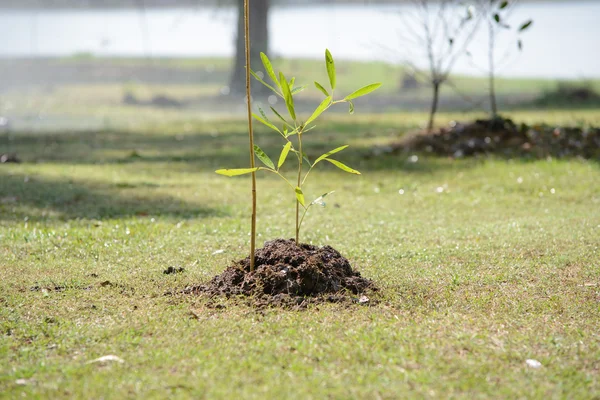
x: 294, y: 126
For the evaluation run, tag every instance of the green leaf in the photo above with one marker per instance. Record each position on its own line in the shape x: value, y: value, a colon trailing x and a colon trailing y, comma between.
x: 351, y: 104
x: 363, y: 91
x: 262, y: 156
x: 322, y: 107
x: 287, y: 95
x: 497, y: 18
x: 265, y: 122
x: 343, y: 167
x: 236, y: 172
x: 330, y: 68
x: 292, y: 81
x: 324, y: 156
x: 292, y: 132
x: 258, y: 78
x: 300, y: 196
x: 281, y: 118
x: 262, y: 112
x: 321, y: 88
x: 284, y: 154
x: 503, y: 5
x: 298, y: 89
x: 269, y: 68
x: 525, y: 25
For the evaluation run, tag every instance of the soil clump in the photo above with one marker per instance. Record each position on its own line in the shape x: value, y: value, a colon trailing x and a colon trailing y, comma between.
x: 501, y: 136
x: 290, y: 276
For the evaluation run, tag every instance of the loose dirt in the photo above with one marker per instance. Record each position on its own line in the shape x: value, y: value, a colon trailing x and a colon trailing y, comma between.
x: 501, y: 136
x: 289, y: 275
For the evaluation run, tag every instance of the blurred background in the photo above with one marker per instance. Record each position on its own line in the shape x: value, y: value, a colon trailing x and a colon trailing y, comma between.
x: 101, y: 64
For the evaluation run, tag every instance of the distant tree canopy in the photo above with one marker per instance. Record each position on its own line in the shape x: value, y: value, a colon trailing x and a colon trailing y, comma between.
x: 259, y: 42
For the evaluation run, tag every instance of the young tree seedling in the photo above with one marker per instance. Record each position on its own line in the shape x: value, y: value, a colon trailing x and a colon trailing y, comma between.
x: 294, y: 126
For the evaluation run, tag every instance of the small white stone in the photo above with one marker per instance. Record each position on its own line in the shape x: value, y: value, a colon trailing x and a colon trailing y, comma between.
x: 105, y: 359
x: 533, y: 363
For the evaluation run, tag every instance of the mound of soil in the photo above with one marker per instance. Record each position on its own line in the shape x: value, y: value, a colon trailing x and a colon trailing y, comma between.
x: 9, y: 158
x: 502, y: 136
x: 290, y: 275
x: 569, y: 95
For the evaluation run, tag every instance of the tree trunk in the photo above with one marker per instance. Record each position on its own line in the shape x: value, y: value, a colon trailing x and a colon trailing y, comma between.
x: 434, y: 105
x: 259, y: 42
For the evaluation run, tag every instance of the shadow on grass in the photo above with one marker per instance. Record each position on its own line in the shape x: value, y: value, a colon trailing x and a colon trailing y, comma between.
x: 37, y: 198
x: 186, y: 146
x: 206, y: 150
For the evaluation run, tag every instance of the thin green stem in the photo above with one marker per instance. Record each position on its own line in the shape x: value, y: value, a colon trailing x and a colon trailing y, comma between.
x: 303, y: 215
x: 281, y: 176
x: 299, y: 185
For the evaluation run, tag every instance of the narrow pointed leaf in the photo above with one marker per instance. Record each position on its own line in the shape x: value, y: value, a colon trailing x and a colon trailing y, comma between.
x: 321, y: 88
x: 292, y: 81
x: 265, y: 122
x: 343, y: 167
x: 525, y: 25
x: 363, y: 91
x: 503, y: 5
x: 351, y: 104
x: 497, y: 18
x: 236, y: 172
x: 292, y: 132
x: 330, y: 68
x: 269, y: 68
x: 322, y: 107
x: 298, y: 89
x: 324, y: 156
x: 287, y: 95
x: 263, y: 157
x: 281, y: 118
x: 258, y: 78
x: 262, y: 112
x: 300, y: 196
x: 284, y: 154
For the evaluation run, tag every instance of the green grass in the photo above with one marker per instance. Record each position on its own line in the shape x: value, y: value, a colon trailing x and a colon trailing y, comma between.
x: 482, y: 265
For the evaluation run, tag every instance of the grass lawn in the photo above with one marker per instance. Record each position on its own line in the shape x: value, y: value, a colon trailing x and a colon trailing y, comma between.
x: 483, y: 264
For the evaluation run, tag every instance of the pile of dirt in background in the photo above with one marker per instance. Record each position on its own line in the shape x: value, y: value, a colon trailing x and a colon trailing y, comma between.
x: 569, y: 94
x: 503, y: 137
x: 9, y: 158
x: 290, y: 276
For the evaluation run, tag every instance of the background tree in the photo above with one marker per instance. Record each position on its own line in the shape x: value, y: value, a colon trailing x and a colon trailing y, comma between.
x: 496, y: 15
x: 259, y: 39
x: 440, y: 31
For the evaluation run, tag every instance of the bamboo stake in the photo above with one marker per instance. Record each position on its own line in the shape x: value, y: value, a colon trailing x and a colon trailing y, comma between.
x: 250, y: 130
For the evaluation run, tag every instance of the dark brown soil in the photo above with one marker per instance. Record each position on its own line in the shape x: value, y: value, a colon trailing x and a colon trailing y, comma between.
x: 501, y: 136
x: 9, y: 158
x: 290, y: 275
